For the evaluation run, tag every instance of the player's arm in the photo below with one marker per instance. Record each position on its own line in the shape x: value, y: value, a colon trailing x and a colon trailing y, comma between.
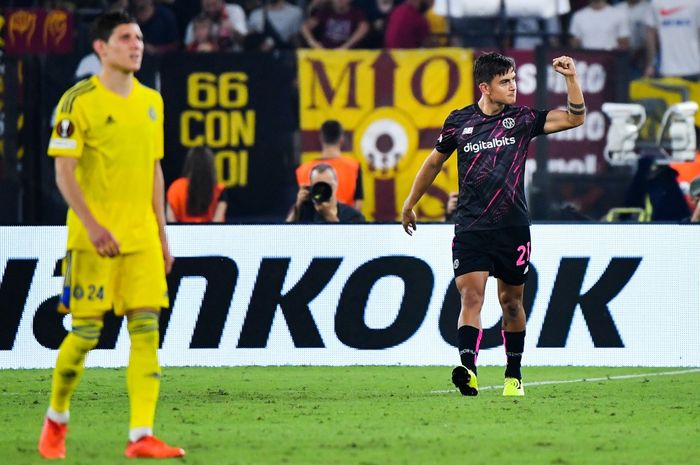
x: 159, y: 209
x: 575, y: 114
x: 170, y: 214
x: 220, y: 212
x: 307, y: 28
x: 424, y: 179
x: 357, y: 36
x: 695, y: 217
x: 103, y: 240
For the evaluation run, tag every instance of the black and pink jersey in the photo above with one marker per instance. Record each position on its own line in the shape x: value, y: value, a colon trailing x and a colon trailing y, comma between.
x: 491, y: 154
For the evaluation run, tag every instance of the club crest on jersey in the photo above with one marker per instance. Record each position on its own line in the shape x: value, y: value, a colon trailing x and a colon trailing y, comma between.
x: 65, y: 128
x: 152, y: 113
x: 468, y: 130
x: 509, y: 123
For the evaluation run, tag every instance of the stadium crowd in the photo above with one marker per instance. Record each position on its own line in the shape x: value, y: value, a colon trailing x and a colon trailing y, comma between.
x: 646, y: 29
x: 265, y: 25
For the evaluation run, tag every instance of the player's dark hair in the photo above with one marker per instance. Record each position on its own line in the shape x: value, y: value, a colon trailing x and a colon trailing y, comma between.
x: 331, y: 132
x: 103, y: 26
x: 490, y: 65
x: 200, y: 172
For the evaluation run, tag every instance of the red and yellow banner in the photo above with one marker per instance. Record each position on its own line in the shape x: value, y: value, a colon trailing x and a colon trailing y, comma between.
x: 392, y: 105
x: 38, y: 31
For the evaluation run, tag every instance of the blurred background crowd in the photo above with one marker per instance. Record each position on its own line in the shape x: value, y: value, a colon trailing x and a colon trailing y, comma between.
x: 653, y: 39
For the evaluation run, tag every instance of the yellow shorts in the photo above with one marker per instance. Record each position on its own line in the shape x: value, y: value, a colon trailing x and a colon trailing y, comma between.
x: 94, y: 285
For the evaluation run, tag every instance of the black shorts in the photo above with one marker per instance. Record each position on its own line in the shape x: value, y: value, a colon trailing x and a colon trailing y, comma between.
x: 504, y: 253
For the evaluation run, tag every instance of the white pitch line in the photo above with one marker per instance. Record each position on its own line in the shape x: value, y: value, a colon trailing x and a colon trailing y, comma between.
x: 583, y: 380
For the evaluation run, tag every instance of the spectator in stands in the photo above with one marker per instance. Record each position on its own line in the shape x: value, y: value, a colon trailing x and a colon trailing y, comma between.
x: 695, y: 196
x: 317, y: 203
x: 339, y: 26
x: 407, y: 26
x: 377, y: 13
x: 599, y: 27
x: 531, y: 31
x: 197, y: 197
x: 439, y: 28
x: 475, y: 31
x: 158, y: 26
x: 636, y: 12
x: 279, y: 22
x: 185, y: 11
x: 203, y: 32
x: 674, y: 25
x: 229, y: 24
x: 347, y: 169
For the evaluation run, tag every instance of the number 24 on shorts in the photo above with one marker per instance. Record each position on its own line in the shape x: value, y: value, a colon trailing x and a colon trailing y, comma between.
x: 93, y: 292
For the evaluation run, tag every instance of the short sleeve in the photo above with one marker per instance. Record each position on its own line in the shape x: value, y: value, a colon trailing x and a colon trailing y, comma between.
x: 237, y: 17
x: 651, y: 19
x: 189, y: 34
x: 447, y: 140
x: 223, y: 194
x: 68, y: 134
x: 538, y: 125
x: 255, y: 21
x: 623, y: 29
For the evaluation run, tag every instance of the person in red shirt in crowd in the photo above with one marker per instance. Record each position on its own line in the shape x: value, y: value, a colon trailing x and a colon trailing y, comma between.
x: 196, y: 197
x: 407, y: 26
x: 340, y: 25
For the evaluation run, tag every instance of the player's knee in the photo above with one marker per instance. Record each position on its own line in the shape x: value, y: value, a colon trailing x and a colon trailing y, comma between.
x: 471, y: 298
x: 143, y: 326
x: 512, y: 306
x: 86, y: 332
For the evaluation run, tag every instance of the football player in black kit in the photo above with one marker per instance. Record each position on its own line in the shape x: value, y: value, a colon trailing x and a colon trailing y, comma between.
x: 492, y: 224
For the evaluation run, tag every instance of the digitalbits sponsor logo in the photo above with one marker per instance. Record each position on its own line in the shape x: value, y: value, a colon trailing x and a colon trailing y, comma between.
x: 491, y: 144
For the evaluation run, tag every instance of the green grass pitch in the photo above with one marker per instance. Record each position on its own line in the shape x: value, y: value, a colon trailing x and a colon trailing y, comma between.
x: 372, y: 416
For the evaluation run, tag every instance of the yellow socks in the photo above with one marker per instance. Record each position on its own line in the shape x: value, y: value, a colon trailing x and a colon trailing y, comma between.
x: 143, y: 374
x: 69, y: 364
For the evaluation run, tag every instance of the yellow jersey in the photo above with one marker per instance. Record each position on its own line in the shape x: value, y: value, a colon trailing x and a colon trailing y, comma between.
x: 116, y: 140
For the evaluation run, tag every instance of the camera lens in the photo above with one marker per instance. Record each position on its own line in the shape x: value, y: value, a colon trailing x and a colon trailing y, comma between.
x: 321, y: 192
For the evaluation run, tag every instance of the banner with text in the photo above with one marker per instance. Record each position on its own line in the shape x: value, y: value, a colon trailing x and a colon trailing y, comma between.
x: 578, y: 150
x: 371, y: 295
x: 241, y: 107
x: 392, y: 104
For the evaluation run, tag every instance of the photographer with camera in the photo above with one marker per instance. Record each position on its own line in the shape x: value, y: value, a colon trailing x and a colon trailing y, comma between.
x: 348, y: 170
x: 317, y: 202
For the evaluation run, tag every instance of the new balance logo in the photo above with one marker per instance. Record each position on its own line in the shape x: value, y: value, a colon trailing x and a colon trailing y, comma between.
x: 491, y: 144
